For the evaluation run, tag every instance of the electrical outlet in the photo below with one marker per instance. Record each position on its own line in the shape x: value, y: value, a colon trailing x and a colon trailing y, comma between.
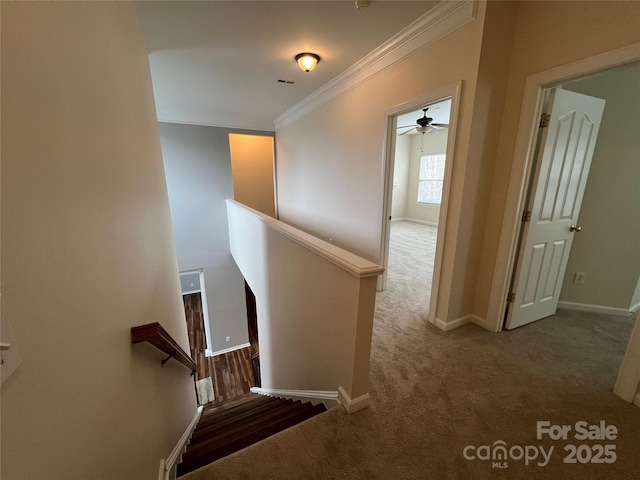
x: 228, y: 339
x: 579, y: 278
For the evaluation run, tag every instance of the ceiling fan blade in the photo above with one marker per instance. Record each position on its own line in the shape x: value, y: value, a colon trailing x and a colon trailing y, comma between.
x: 441, y: 125
x: 404, y: 133
x: 407, y: 126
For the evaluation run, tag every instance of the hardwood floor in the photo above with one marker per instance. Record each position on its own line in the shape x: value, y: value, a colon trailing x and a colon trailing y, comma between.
x: 231, y: 373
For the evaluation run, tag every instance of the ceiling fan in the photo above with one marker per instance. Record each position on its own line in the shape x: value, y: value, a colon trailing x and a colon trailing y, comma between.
x: 425, y: 125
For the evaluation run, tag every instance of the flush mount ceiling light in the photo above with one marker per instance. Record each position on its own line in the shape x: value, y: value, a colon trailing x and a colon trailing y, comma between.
x: 362, y: 4
x: 307, y: 61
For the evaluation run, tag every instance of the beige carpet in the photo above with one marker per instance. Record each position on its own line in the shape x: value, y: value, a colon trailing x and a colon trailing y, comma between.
x: 435, y: 393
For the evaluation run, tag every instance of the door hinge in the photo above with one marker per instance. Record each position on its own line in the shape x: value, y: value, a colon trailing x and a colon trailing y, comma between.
x: 544, y: 120
x: 511, y: 297
x: 526, y: 216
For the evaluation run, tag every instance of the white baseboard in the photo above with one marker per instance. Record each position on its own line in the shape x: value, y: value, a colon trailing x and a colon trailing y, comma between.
x: 230, y: 349
x: 635, y: 308
x: 167, y: 466
x: 446, y: 325
x: 328, y: 397
x: 352, y: 406
x: 414, y: 220
x: 586, y: 307
x: 479, y: 321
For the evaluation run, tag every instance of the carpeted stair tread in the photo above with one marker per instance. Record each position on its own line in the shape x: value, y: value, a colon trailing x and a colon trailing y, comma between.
x: 222, y: 432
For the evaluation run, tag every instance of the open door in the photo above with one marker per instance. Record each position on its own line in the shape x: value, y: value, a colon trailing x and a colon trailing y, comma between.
x: 551, y: 219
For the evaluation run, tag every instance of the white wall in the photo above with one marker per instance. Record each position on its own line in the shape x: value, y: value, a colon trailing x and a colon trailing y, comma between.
x: 199, y: 179
x: 87, y: 248
x: 315, y: 318
x: 608, y: 247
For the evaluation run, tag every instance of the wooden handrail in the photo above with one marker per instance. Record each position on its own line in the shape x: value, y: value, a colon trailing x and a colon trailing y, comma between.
x: 159, y: 338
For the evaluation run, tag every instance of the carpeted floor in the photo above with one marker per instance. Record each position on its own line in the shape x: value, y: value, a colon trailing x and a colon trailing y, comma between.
x: 436, y: 393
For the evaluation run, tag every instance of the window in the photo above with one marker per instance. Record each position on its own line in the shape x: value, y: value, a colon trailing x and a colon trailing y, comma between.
x: 431, y: 178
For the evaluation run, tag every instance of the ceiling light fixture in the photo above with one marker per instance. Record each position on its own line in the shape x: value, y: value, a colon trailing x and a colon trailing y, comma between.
x: 307, y: 61
x: 362, y: 4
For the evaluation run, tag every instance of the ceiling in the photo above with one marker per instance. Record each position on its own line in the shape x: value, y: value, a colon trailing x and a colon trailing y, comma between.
x: 218, y: 62
x: 440, y: 112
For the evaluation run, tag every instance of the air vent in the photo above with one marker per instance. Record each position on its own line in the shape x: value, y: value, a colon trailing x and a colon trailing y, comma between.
x: 288, y: 82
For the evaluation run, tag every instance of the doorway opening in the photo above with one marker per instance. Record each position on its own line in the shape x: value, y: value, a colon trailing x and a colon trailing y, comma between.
x: 605, y: 203
x: 194, y: 293
x: 591, y: 265
x: 252, y: 327
x: 418, y: 155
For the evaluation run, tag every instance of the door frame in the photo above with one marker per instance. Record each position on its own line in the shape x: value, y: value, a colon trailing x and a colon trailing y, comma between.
x: 523, y: 158
x: 388, y: 155
x: 208, y: 352
x: 628, y: 381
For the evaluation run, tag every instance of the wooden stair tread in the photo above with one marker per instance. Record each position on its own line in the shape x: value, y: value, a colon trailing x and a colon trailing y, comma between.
x: 232, y: 403
x: 242, y: 426
x: 245, y: 406
x: 214, y: 425
x: 222, y: 432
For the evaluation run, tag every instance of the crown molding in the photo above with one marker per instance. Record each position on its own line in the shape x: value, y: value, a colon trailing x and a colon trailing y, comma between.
x: 441, y: 20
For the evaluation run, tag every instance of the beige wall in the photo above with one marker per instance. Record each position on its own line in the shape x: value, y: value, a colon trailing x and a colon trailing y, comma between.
x: 607, y: 248
x: 423, y: 144
x: 314, y: 317
x: 400, y: 177
x: 547, y: 34
x: 330, y: 183
x: 252, y: 165
x: 87, y: 249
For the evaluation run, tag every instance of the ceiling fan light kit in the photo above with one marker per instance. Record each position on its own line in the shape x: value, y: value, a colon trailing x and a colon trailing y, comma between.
x: 362, y: 4
x: 424, y: 125
x: 307, y: 61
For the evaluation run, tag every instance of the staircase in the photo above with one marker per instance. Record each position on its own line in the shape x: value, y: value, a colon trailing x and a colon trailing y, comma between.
x: 239, y: 422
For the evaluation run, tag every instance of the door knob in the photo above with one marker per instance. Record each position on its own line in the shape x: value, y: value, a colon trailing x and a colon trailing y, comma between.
x: 573, y: 228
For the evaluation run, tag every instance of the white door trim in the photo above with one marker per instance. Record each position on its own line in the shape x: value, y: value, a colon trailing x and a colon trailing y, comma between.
x: 628, y: 381
x: 522, y: 159
x: 388, y: 156
x: 205, y: 308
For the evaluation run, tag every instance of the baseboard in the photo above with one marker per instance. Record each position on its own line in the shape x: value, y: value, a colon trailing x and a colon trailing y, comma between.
x: 446, y: 325
x: 167, y: 466
x: 414, y: 220
x: 352, y: 406
x: 479, y: 321
x: 230, y: 349
x: 328, y: 397
x: 586, y: 307
x: 635, y: 308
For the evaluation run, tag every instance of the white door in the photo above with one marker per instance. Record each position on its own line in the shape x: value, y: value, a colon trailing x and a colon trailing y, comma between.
x: 561, y: 174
